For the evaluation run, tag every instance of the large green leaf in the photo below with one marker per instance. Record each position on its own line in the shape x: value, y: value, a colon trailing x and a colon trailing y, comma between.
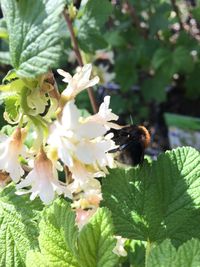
x: 96, y: 242
x: 18, y: 227
x: 33, y: 34
x: 57, y: 227
x: 157, y: 200
x: 62, y: 245
x: 165, y: 255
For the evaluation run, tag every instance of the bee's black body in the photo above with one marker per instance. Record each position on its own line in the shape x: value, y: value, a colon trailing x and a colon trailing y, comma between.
x: 132, y: 141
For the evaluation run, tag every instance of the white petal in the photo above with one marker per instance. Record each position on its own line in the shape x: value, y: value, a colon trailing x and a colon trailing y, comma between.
x: 84, y: 152
x: 91, y: 130
x: 66, y: 75
x: 47, y: 193
x: 70, y: 115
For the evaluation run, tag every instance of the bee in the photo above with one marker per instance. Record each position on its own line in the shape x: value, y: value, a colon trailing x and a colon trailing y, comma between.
x: 132, y: 141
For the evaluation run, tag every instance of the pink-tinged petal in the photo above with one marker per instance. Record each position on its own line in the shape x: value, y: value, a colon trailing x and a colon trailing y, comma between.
x: 43, y: 180
x: 10, y: 150
x: 46, y: 193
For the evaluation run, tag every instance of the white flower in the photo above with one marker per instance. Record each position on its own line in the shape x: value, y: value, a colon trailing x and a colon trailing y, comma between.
x: 94, y: 151
x: 105, y: 115
x: 77, y: 83
x: 85, y: 140
x: 43, y: 180
x: 119, y: 248
x: 10, y: 150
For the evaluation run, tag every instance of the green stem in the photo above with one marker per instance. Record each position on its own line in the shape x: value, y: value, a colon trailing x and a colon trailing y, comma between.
x: 148, y: 249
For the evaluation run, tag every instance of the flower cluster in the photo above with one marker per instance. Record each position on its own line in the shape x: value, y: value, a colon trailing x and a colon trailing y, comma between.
x: 75, y: 146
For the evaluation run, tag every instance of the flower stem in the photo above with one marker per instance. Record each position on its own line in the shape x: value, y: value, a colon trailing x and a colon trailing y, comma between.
x: 79, y: 58
x: 148, y: 249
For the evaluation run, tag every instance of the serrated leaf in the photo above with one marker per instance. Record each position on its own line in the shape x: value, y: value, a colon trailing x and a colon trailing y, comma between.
x: 18, y: 227
x: 11, y: 105
x: 33, y: 28
x: 96, y: 242
x: 159, y: 200
x: 62, y: 245
x: 57, y: 236
x: 188, y: 254
x: 162, y: 255
x: 165, y: 255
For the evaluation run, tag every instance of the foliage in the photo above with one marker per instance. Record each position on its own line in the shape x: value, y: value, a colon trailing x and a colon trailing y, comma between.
x: 155, y: 206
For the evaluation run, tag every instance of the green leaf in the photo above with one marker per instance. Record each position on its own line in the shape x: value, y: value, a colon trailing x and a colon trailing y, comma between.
x: 96, y: 242
x: 90, y: 39
x: 182, y: 60
x: 57, y: 237
x: 196, y: 13
x: 192, y: 83
x: 62, y: 245
x: 136, y: 253
x: 165, y: 255
x: 98, y: 11
x: 36, y: 259
x: 19, y: 229
x: 33, y: 28
x: 126, y: 73
x: 162, y: 255
x: 159, y: 200
x: 188, y: 254
x: 161, y: 56
x: 155, y: 88
x: 12, y: 106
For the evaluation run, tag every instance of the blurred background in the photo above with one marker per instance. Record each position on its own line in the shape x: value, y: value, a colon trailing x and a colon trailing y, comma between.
x: 147, y: 56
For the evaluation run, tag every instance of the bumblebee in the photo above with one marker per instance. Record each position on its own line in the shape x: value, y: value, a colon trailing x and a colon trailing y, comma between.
x: 132, y: 141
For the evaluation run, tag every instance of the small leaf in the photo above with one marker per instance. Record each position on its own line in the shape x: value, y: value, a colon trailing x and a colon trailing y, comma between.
x: 33, y: 34
x: 19, y: 229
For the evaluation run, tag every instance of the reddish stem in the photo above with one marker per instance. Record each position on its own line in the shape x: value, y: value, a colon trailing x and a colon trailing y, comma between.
x: 79, y: 58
